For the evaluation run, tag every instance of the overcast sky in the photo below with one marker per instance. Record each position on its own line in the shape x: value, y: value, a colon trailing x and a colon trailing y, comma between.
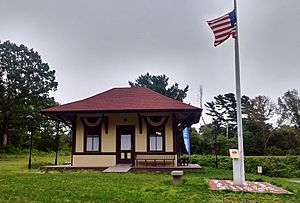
x: 95, y: 45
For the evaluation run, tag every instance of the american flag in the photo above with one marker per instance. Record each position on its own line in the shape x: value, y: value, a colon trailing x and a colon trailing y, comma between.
x: 223, y: 27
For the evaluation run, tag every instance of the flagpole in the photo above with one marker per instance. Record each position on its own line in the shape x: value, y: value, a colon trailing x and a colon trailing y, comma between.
x: 239, y: 170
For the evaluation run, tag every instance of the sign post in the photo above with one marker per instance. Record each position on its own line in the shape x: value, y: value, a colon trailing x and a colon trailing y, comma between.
x: 235, y: 155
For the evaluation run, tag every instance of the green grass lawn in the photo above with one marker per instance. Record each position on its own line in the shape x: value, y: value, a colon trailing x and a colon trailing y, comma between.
x: 17, y: 184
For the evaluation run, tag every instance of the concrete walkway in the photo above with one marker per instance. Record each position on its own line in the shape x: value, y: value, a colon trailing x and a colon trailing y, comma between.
x: 294, y: 181
x: 119, y: 168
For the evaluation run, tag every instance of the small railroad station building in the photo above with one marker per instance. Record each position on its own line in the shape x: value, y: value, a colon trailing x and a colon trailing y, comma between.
x: 131, y: 125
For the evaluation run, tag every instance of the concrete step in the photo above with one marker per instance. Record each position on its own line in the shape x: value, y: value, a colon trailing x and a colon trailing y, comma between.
x: 119, y: 168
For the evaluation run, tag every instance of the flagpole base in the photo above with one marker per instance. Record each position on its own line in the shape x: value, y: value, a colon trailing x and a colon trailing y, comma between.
x: 238, y: 176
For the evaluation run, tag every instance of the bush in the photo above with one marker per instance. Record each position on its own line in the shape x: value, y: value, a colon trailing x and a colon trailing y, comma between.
x: 275, y: 151
x: 275, y: 166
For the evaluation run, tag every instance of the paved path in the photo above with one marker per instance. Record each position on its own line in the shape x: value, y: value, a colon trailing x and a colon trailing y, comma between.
x: 295, y: 181
x: 119, y: 168
x: 261, y: 187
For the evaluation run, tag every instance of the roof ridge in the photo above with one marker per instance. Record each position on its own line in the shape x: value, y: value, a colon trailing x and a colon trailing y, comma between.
x: 125, y: 98
x: 168, y: 97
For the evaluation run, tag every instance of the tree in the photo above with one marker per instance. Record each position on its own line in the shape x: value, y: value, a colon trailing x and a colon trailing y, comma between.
x: 199, y: 142
x: 159, y: 84
x: 286, y: 139
x: 260, y: 110
x: 25, y: 83
x: 289, y: 108
x: 223, y: 110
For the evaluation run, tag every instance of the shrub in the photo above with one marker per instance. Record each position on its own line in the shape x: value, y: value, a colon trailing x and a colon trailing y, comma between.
x: 275, y: 166
x: 275, y: 151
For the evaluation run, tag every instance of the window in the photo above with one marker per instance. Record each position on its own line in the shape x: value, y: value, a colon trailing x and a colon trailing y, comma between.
x: 126, y: 142
x: 156, y: 139
x: 92, y: 140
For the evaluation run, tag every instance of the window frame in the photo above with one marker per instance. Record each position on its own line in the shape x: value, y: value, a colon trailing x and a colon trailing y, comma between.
x: 96, y: 132
x: 163, y: 133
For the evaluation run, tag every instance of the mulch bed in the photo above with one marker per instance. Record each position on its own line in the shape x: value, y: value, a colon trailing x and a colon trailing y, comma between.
x: 261, y: 187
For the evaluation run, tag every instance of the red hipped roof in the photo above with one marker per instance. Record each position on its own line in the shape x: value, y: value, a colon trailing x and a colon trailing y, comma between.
x: 124, y: 99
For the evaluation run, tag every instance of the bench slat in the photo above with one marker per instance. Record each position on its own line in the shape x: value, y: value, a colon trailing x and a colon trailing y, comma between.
x: 154, y: 158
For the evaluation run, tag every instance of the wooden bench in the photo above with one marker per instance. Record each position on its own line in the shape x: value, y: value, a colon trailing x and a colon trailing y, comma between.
x: 154, y: 158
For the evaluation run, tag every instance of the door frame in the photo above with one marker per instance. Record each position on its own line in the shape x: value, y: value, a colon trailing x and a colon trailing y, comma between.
x: 118, y: 144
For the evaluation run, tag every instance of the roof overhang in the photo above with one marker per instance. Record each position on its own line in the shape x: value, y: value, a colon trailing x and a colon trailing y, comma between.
x: 185, y: 116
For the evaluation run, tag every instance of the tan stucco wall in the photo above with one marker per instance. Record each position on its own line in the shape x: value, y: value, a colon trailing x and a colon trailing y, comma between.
x: 169, y: 135
x: 94, y: 160
x: 79, y: 135
x: 141, y: 139
x: 108, y: 141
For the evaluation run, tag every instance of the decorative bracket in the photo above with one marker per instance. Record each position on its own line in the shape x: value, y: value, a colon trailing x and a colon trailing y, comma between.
x: 106, y: 124
x: 140, y: 118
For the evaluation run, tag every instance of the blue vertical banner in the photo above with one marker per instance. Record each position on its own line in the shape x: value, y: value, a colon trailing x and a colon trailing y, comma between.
x: 186, y: 140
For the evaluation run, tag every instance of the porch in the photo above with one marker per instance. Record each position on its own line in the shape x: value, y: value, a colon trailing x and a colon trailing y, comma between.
x: 190, y: 168
x: 160, y: 168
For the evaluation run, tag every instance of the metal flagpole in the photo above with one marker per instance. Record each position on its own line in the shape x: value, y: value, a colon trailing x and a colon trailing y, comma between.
x: 238, y: 170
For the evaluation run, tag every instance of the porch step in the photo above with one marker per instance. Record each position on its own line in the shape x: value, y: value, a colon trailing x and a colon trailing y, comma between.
x: 119, y: 168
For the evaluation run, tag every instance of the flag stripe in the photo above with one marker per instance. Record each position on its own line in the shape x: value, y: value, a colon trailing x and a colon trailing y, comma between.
x: 225, y: 32
x: 225, y: 37
x: 216, y: 25
x: 218, y: 19
x: 223, y: 27
x: 225, y: 20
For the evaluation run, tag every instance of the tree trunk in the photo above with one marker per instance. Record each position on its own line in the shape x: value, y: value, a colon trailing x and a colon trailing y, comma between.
x: 4, y: 139
x: 5, y: 133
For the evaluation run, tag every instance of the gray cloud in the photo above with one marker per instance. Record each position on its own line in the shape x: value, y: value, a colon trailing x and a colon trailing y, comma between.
x: 96, y: 45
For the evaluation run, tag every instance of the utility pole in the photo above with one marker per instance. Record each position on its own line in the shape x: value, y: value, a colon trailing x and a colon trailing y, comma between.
x: 216, y: 146
x: 30, y: 150
x: 200, y: 101
x: 57, y: 141
x: 227, y: 133
x: 200, y: 95
x: 30, y: 117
